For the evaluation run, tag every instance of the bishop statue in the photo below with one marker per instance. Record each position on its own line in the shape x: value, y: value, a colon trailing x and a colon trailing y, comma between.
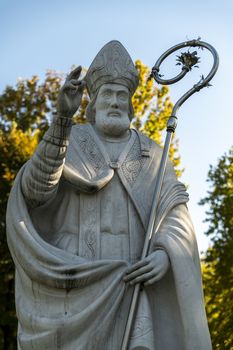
x: 76, y: 222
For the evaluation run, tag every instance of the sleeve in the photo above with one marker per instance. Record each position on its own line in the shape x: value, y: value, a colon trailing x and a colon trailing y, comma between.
x: 43, y: 171
x: 176, y: 236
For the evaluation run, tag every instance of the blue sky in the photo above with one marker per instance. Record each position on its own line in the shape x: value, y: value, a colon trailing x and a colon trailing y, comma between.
x: 41, y: 35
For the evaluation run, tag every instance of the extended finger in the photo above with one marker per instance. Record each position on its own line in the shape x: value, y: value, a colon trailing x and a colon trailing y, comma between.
x: 75, y: 74
x: 143, y: 278
x: 138, y: 272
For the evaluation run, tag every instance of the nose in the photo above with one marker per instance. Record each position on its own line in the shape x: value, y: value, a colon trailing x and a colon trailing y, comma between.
x: 114, y: 101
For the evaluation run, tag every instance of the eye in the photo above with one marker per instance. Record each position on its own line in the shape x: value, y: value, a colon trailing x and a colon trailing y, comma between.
x: 123, y: 97
x: 106, y: 94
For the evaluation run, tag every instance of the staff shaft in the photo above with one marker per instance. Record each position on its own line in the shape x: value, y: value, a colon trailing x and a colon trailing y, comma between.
x: 149, y: 233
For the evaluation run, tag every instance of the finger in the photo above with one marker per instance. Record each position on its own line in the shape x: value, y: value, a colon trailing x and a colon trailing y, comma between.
x: 137, y: 265
x: 154, y: 279
x: 143, y: 278
x: 82, y: 84
x: 69, y: 86
x: 138, y: 272
x: 75, y: 74
x: 77, y: 84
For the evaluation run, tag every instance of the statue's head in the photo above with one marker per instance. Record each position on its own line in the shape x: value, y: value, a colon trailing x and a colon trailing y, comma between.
x: 111, y: 82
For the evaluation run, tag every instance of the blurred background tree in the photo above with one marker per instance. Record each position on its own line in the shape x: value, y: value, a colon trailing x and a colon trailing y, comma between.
x: 25, y: 114
x: 218, y: 262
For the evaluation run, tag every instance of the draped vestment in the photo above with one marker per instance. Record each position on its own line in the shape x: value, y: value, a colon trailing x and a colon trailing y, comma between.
x: 72, y: 251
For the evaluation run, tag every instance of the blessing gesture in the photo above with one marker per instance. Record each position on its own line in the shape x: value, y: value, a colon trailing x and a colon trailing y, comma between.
x: 70, y: 95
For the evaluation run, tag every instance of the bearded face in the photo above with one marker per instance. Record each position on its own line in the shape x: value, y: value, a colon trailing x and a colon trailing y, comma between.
x: 112, y: 110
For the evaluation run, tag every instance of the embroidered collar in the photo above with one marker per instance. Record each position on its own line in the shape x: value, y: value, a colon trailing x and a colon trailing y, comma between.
x: 113, y: 165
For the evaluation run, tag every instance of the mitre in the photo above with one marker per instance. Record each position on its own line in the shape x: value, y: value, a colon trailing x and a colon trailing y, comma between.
x: 112, y: 64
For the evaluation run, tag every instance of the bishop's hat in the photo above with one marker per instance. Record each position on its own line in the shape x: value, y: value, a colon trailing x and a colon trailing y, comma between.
x: 112, y: 64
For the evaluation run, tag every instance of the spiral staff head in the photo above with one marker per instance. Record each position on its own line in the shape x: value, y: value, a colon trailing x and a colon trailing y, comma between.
x: 187, y: 60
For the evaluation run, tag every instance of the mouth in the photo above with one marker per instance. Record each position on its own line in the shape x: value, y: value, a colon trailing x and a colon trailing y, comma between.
x: 113, y: 114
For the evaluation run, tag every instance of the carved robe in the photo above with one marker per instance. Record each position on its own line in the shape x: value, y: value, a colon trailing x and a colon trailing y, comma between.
x: 71, y: 251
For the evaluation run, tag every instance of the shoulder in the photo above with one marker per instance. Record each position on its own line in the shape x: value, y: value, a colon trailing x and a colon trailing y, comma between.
x: 155, y: 151
x: 148, y: 145
x: 81, y: 133
x: 80, y: 128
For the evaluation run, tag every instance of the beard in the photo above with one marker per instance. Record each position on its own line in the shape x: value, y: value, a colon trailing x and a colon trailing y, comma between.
x: 112, y: 125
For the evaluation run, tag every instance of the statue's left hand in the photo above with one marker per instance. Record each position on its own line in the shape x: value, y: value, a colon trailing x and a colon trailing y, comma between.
x: 149, y: 270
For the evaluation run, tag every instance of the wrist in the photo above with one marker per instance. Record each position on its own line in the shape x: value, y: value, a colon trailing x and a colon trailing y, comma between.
x: 161, y: 250
x: 59, y: 131
x: 61, y: 120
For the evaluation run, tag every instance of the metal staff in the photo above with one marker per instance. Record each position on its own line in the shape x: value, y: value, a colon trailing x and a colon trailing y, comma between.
x: 187, y: 60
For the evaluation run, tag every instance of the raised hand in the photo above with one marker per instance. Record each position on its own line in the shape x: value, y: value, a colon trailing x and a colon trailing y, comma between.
x: 149, y: 270
x: 70, y: 95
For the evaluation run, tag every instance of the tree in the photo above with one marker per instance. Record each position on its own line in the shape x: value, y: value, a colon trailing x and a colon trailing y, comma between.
x: 25, y: 114
x: 218, y: 262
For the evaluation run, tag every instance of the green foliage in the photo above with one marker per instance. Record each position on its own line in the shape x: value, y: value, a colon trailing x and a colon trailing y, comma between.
x: 29, y: 104
x: 25, y: 113
x: 218, y: 263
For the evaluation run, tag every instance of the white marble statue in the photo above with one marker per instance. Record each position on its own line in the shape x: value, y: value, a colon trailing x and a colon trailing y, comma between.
x: 76, y: 222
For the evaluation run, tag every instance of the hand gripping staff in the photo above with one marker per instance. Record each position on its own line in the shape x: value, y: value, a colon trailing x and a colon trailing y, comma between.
x: 187, y: 60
